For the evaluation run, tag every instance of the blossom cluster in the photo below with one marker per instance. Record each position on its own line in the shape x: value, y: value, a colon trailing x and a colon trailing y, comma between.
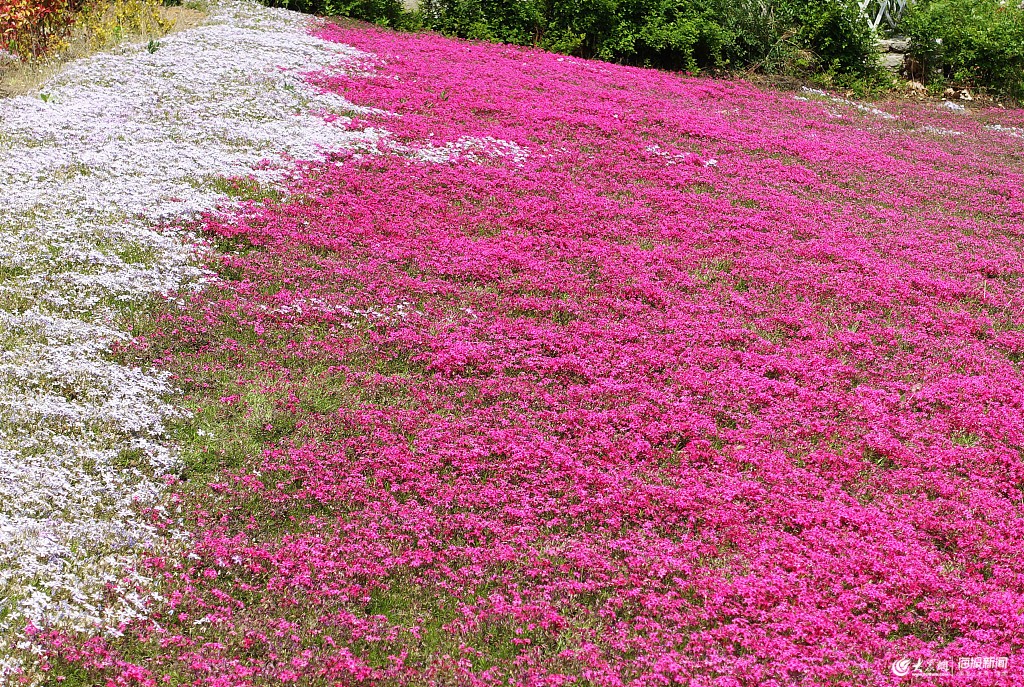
x: 598, y: 375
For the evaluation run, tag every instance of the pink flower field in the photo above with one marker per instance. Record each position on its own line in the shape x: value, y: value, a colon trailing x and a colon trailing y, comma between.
x: 594, y: 375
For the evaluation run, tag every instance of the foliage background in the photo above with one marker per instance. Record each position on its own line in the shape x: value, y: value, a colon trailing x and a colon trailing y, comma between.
x: 969, y: 43
x: 38, y: 29
x: 977, y: 43
x: 776, y: 36
x: 35, y: 27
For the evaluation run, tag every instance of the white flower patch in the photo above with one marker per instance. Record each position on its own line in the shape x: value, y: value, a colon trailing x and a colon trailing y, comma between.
x: 469, y: 148
x: 868, y: 109
x: 112, y: 146
x: 1009, y: 130
x: 669, y: 157
x: 307, y: 306
x: 939, y: 131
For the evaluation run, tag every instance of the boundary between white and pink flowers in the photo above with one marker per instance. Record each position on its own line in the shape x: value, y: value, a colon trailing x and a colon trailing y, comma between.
x: 111, y: 148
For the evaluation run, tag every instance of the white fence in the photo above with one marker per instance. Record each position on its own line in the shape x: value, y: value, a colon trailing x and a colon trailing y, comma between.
x: 878, y: 11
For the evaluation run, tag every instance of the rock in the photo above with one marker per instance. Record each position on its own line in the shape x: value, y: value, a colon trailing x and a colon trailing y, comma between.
x: 893, y: 61
x: 900, y: 45
x: 915, y: 86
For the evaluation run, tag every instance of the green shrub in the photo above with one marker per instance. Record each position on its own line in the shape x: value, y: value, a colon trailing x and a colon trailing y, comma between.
x: 978, y: 43
x: 836, y: 33
x: 802, y: 36
x: 774, y: 35
x: 675, y: 34
x: 383, y: 12
x: 520, y: 23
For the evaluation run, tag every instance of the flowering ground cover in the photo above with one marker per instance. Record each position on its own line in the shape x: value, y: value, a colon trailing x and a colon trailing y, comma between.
x: 88, y: 167
x: 583, y: 374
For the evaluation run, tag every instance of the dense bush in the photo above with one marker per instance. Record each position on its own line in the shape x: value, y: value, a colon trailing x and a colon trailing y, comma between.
x: 32, y: 28
x: 107, y: 22
x: 383, y: 12
x: 772, y: 35
x: 969, y: 42
x: 778, y: 35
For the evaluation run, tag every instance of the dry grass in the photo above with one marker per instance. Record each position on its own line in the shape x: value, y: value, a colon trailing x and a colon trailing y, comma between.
x: 104, y: 28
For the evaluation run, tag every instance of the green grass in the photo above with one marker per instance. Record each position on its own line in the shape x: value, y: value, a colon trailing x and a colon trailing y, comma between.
x: 711, y: 271
x: 244, y: 189
x: 10, y: 272
x: 137, y: 254
x: 962, y: 437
